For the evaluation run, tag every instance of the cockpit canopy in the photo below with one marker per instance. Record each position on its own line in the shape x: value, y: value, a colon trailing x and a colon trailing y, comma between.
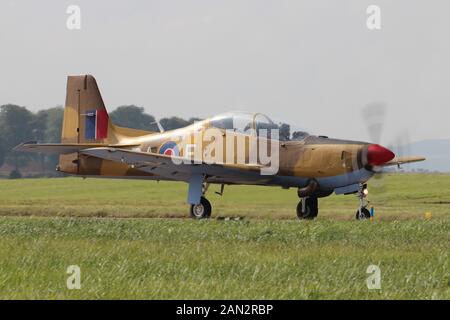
x: 253, y: 123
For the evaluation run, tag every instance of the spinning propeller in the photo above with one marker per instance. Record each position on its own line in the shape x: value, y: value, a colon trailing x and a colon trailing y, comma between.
x: 374, y: 115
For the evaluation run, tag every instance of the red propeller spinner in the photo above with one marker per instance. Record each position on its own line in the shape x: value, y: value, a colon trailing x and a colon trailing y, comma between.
x: 378, y: 155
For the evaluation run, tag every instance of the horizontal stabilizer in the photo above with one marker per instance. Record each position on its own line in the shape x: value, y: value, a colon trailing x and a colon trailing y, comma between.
x: 63, y: 148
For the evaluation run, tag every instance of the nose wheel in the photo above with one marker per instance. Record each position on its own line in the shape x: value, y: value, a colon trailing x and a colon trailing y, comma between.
x: 363, y: 212
x: 307, y: 208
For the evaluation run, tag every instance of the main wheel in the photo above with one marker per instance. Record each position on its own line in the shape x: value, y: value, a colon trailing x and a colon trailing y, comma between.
x: 201, y: 210
x: 311, y: 208
x: 365, y: 214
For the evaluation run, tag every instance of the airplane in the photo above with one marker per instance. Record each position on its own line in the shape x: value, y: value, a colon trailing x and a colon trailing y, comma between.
x: 318, y: 166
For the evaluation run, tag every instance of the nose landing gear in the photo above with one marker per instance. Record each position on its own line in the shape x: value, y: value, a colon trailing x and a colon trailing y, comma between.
x: 363, y: 212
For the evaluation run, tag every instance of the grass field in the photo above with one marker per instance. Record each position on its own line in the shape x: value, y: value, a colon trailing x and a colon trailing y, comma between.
x: 48, y: 224
x: 397, y: 196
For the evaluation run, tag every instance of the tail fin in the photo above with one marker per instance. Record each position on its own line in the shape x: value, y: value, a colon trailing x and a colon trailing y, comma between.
x: 86, y: 120
x: 85, y: 115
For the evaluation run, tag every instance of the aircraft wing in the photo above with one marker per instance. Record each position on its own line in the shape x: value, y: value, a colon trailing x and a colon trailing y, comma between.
x: 401, y: 160
x: 59, y: 148
x: 176, y: 168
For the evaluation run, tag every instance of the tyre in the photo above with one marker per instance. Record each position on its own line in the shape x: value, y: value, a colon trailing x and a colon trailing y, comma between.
x: 201, y: 210
x: 365, y: 214
x: 311, y: 209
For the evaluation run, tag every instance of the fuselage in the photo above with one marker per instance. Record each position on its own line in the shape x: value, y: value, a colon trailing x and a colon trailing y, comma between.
x: 333, y: 163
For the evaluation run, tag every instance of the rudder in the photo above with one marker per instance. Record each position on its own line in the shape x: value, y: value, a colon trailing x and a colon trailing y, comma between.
x: 85, y: 117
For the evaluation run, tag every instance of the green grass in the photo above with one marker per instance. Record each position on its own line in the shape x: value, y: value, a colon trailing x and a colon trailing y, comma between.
x: 49, y: 224
x: 170, y: 259
x: 397, y: 196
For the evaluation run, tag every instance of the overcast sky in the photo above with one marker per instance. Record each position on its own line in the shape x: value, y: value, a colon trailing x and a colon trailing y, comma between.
x: 312, y: 63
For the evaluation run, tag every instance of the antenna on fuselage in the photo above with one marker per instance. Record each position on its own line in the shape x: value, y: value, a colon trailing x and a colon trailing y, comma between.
x: 160, y: 127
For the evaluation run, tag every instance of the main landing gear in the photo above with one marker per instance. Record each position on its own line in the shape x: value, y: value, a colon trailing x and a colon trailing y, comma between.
x: 307, y: 208
x: 203, y: 209
x: 362, y: 212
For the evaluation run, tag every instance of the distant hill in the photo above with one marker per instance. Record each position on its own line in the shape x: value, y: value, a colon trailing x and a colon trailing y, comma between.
x: 437, y: 153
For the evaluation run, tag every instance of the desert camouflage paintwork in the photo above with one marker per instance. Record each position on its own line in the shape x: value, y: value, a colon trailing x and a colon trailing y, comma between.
x: 313, y: 157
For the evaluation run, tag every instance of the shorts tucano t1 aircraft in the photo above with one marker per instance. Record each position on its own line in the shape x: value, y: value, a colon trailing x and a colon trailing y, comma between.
x: 92, y: 146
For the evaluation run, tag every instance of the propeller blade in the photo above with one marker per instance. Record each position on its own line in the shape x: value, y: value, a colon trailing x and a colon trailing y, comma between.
x: 374, y: 115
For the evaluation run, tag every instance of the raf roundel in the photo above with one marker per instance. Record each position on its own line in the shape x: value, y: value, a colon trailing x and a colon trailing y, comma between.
x: 169, y: 148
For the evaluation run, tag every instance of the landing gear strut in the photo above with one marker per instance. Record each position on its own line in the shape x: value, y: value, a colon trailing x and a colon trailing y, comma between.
x: 307, y: 208
x: 362, y: 212
x: 203, y: 209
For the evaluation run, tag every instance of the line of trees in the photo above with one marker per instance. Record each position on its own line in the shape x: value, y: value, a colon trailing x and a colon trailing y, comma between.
x: 18, y: 124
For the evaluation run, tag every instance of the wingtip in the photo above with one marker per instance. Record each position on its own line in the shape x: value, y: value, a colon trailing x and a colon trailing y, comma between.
x: 22, y: 146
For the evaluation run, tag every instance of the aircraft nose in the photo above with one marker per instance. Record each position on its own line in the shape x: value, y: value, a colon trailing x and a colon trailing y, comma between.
x: 378, y: 155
